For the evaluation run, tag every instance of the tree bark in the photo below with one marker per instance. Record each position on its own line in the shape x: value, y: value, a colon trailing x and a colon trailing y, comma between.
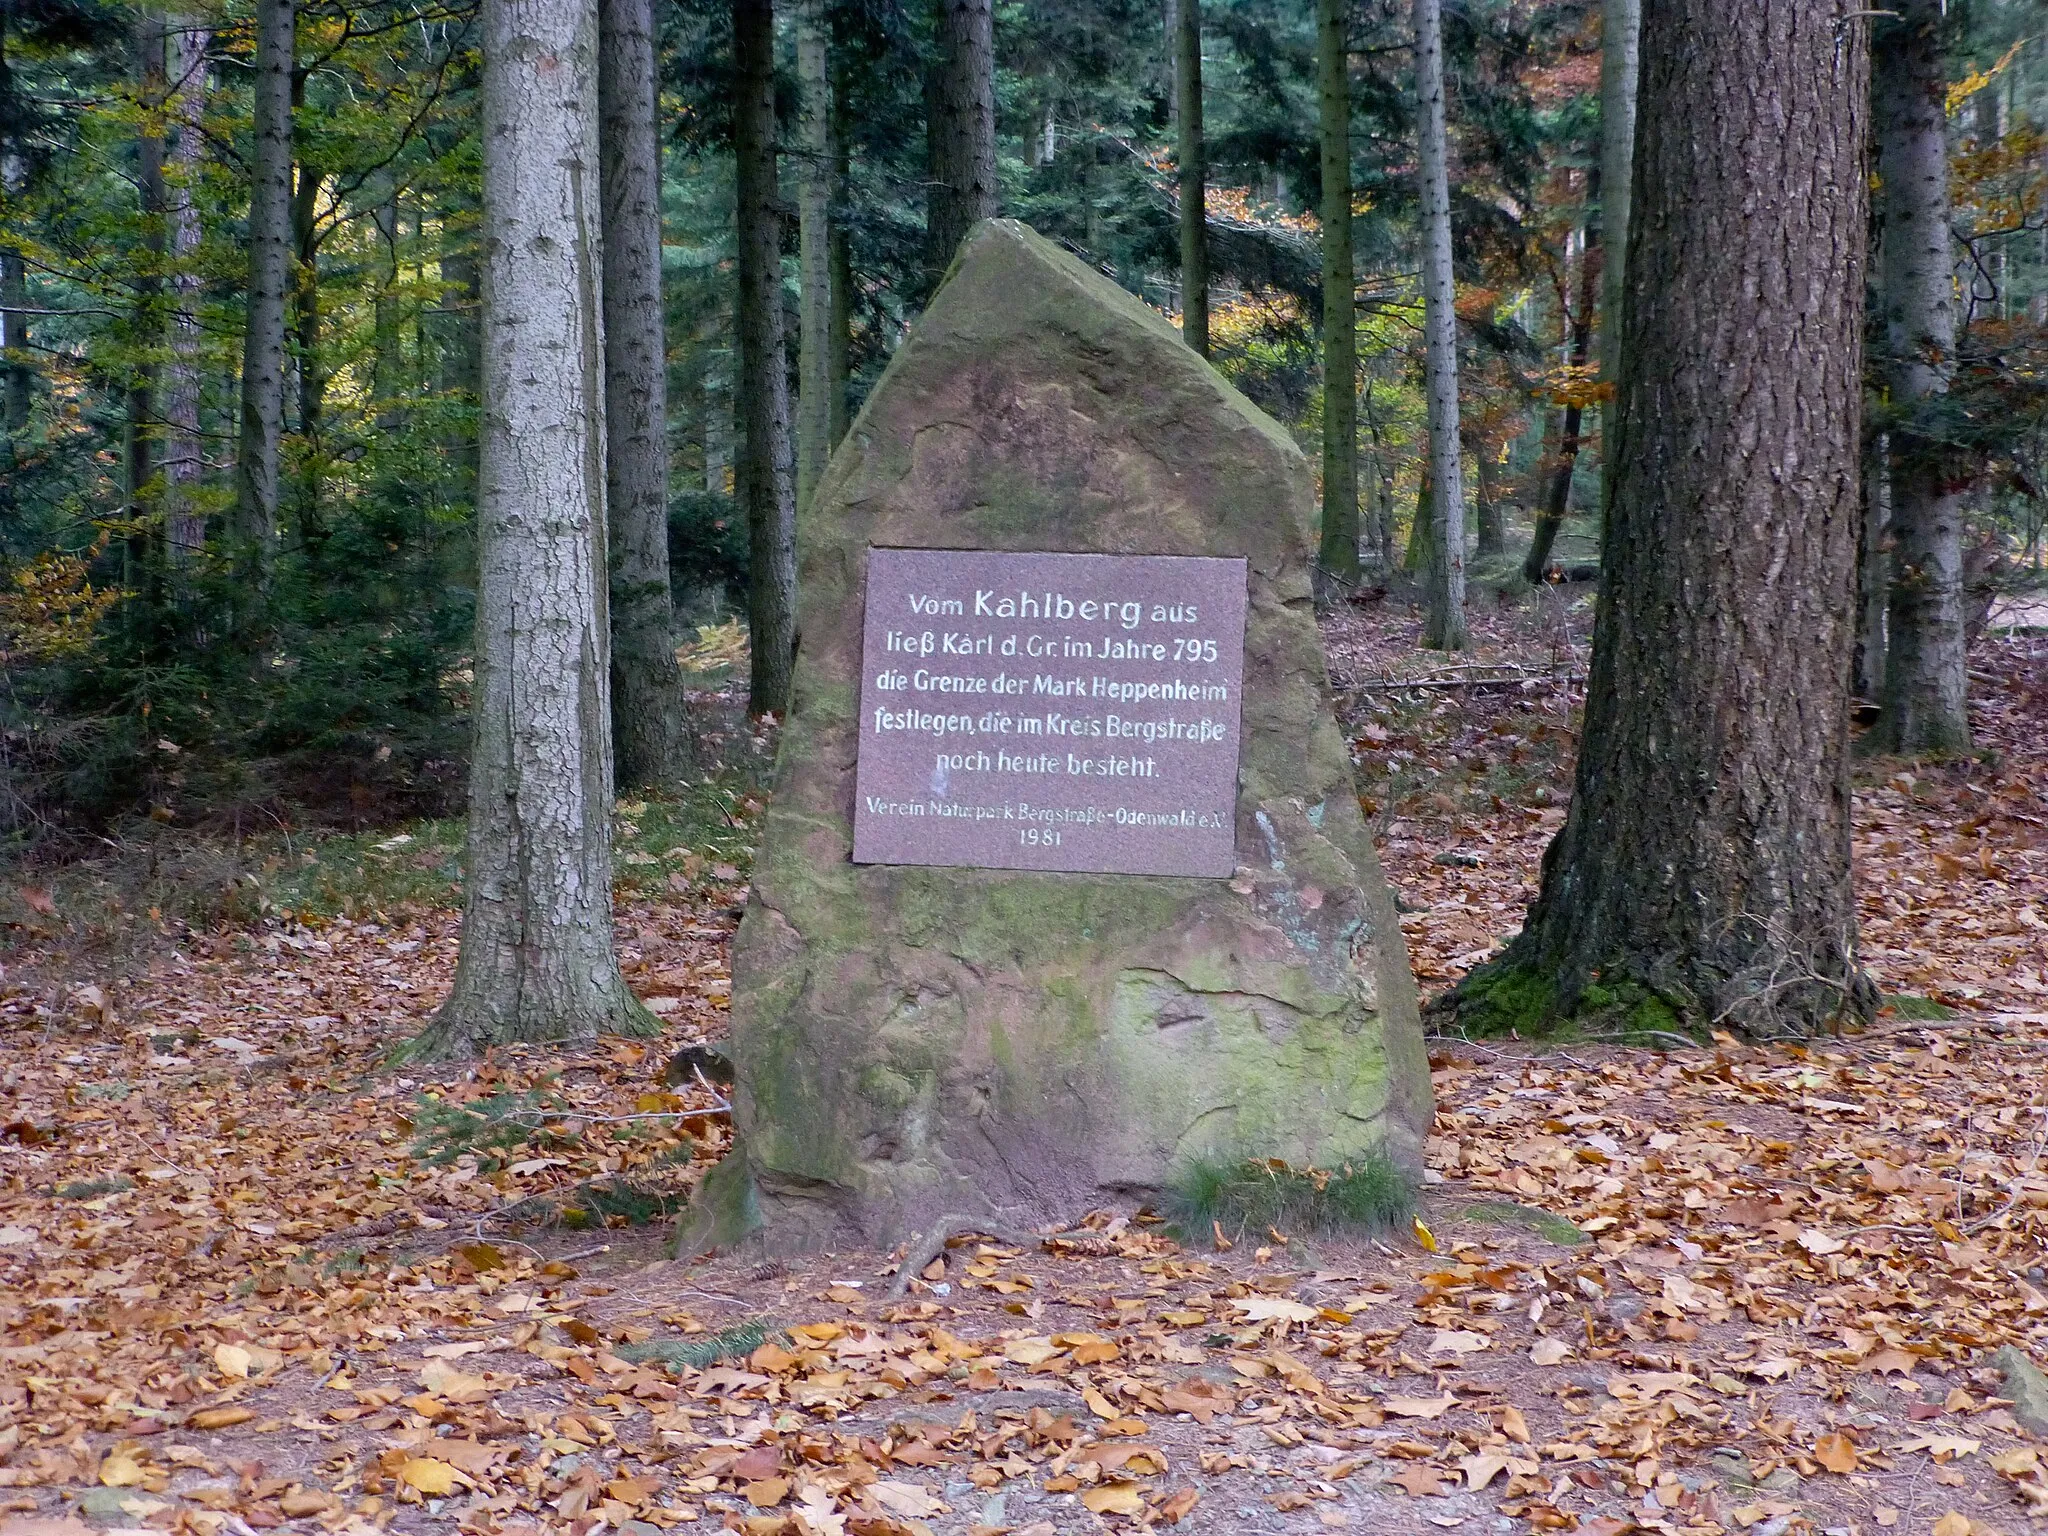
x: 1486, y: 500
x: 184, y: 453
x: 1703, y: 870
x: 306, y: 310
x: 1339, y: 553
x: 1194, y: 175
x: 1444, y: 626
x: 537, y: 961
x: 840, y: 250
x: 14, y: 321
x: 650, y: 729
x: 259, y: 447
x: 153, y: 90
x: 814, y: 246
x: 1557, y: 497
x: 962, y: 134
x: 1621, y: 26
x: 1926, y: 700
x: 1873, y: 570
x: 763, y: 385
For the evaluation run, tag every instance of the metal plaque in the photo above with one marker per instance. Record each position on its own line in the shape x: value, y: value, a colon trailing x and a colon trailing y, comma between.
x: 1059, y: 712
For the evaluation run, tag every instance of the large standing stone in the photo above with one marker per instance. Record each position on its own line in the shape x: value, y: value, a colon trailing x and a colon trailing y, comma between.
x: 915, y: 1042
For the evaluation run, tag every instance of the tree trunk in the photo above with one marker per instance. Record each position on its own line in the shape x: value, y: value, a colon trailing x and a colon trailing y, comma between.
x: 1621, y: 25
x: 814, y: 244
x: 1486, y: 500
x: 1873, y: 570
x: 1444, y: 627
x: 962, y: 134
x: 1339, y: 553
x: 149, y: 276
x: 1194, y: 175
x: 1702, y: 873
x: 1926, y: 703
x: 184, y: 452
x: 537, y: 961
x: 1557, y: 498
x: 259, y: 447
x: 650, y: 730
x: 20, y: 375
x: 306, y: 309
x: 763, y: 385
x: 1420, y: 555
x: 840, y: 250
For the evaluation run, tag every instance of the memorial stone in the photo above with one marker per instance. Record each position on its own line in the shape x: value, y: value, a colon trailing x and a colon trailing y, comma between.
x: 1064, y: 880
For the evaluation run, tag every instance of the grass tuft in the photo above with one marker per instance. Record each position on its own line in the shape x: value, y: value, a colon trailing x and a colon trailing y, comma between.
x: 1923, y: 1010
x: 1249, y: 1195
x: 1511, y: 1213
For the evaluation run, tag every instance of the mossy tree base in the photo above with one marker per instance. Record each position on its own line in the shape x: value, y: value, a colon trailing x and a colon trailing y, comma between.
x: 913, y: 1044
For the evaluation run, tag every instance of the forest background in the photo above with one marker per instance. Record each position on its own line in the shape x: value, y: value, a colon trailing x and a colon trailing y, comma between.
x: 153, y: 684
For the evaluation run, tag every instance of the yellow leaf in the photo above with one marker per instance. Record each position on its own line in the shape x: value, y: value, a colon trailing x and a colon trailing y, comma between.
x: 221, y: 1418
x: 1419, y: 1407
x: 433, y: 1477
x: 1836, y: 1452
x: 1099, y: 1405
x: 1952, y: 1524
x: 1114, y: 1499
x: 121, y: 1471
x: 1423, y: 1235
x: 767, y: 1493
x: 232, y: 1360
x: 1514, y: 1426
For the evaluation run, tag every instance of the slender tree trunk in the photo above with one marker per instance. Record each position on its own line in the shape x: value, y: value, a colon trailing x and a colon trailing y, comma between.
x: 461, y: 332
x: 184, y: 454
x: 1486, y: 499
x: 1444, y: 627
x: 1621, y: 26
x: 306, y: 311
x: 19, y: 391
x: 387, y: 359
x: 1420, y: 555
x: 1558, y: 493
x: 1193, y: 155
x: 537, y: 961
x: 763, y: 386
x: 840, y: 251
x: 650, y: 730
x: 1926, y: 701
x: 962, y: 133
x: 1873, y: 570
x: 149, y: 276
x: 1703, y: 868
x: 719, y: 479
x: 814, y: 244
x: 1339, y: 553
x: 259, y: 448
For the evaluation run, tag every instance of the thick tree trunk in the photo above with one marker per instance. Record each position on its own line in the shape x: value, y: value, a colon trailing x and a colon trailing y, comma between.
x: 1926, y: 701
x: 537, y: 961
x: 1703, y: 868
x: 259, y: 446
x: 1557, y: 498
x: 1444, y: 626
x: 650, y: 730
x: 1193, y: 155
x: 763, y: 386
x: 962, y: 134
x: 184, y: 453
x: 814, y: 245
x: 1621, y: 25
x: 1338, y: 556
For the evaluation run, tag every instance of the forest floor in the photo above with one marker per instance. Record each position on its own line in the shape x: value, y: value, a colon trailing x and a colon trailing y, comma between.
x: 253, y: 1279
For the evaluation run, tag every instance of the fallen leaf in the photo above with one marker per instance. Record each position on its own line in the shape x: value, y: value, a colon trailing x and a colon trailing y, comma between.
x: 1836, y: 1452
x: 430, y: 1475
x: 1114, y: 1499
x: 905, y: 1499
x: 121, y: 1471
x: 221, y: 1418
x: 1952, y: 1524
x: 1550, y: 1351
x: 1482, y: 1468
x: 767, y: 1493
x: 1819, y: 1244
x: 1418, y: 1407
x: 1459, y: 1342
x: 1419, y: 1480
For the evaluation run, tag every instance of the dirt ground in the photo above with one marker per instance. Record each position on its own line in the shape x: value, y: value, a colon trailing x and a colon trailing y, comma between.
x: 252, y: 1278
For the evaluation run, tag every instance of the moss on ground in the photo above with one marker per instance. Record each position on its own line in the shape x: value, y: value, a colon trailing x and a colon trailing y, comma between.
x: 1510, y: 1213
x: 1239, y: 1196
x: 1507, y: 999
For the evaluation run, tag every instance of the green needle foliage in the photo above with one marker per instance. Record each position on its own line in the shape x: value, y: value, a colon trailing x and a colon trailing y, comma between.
x: 702, y: 1350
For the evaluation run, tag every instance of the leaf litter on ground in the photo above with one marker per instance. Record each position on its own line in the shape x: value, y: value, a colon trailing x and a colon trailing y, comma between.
x: 240, y: 1289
